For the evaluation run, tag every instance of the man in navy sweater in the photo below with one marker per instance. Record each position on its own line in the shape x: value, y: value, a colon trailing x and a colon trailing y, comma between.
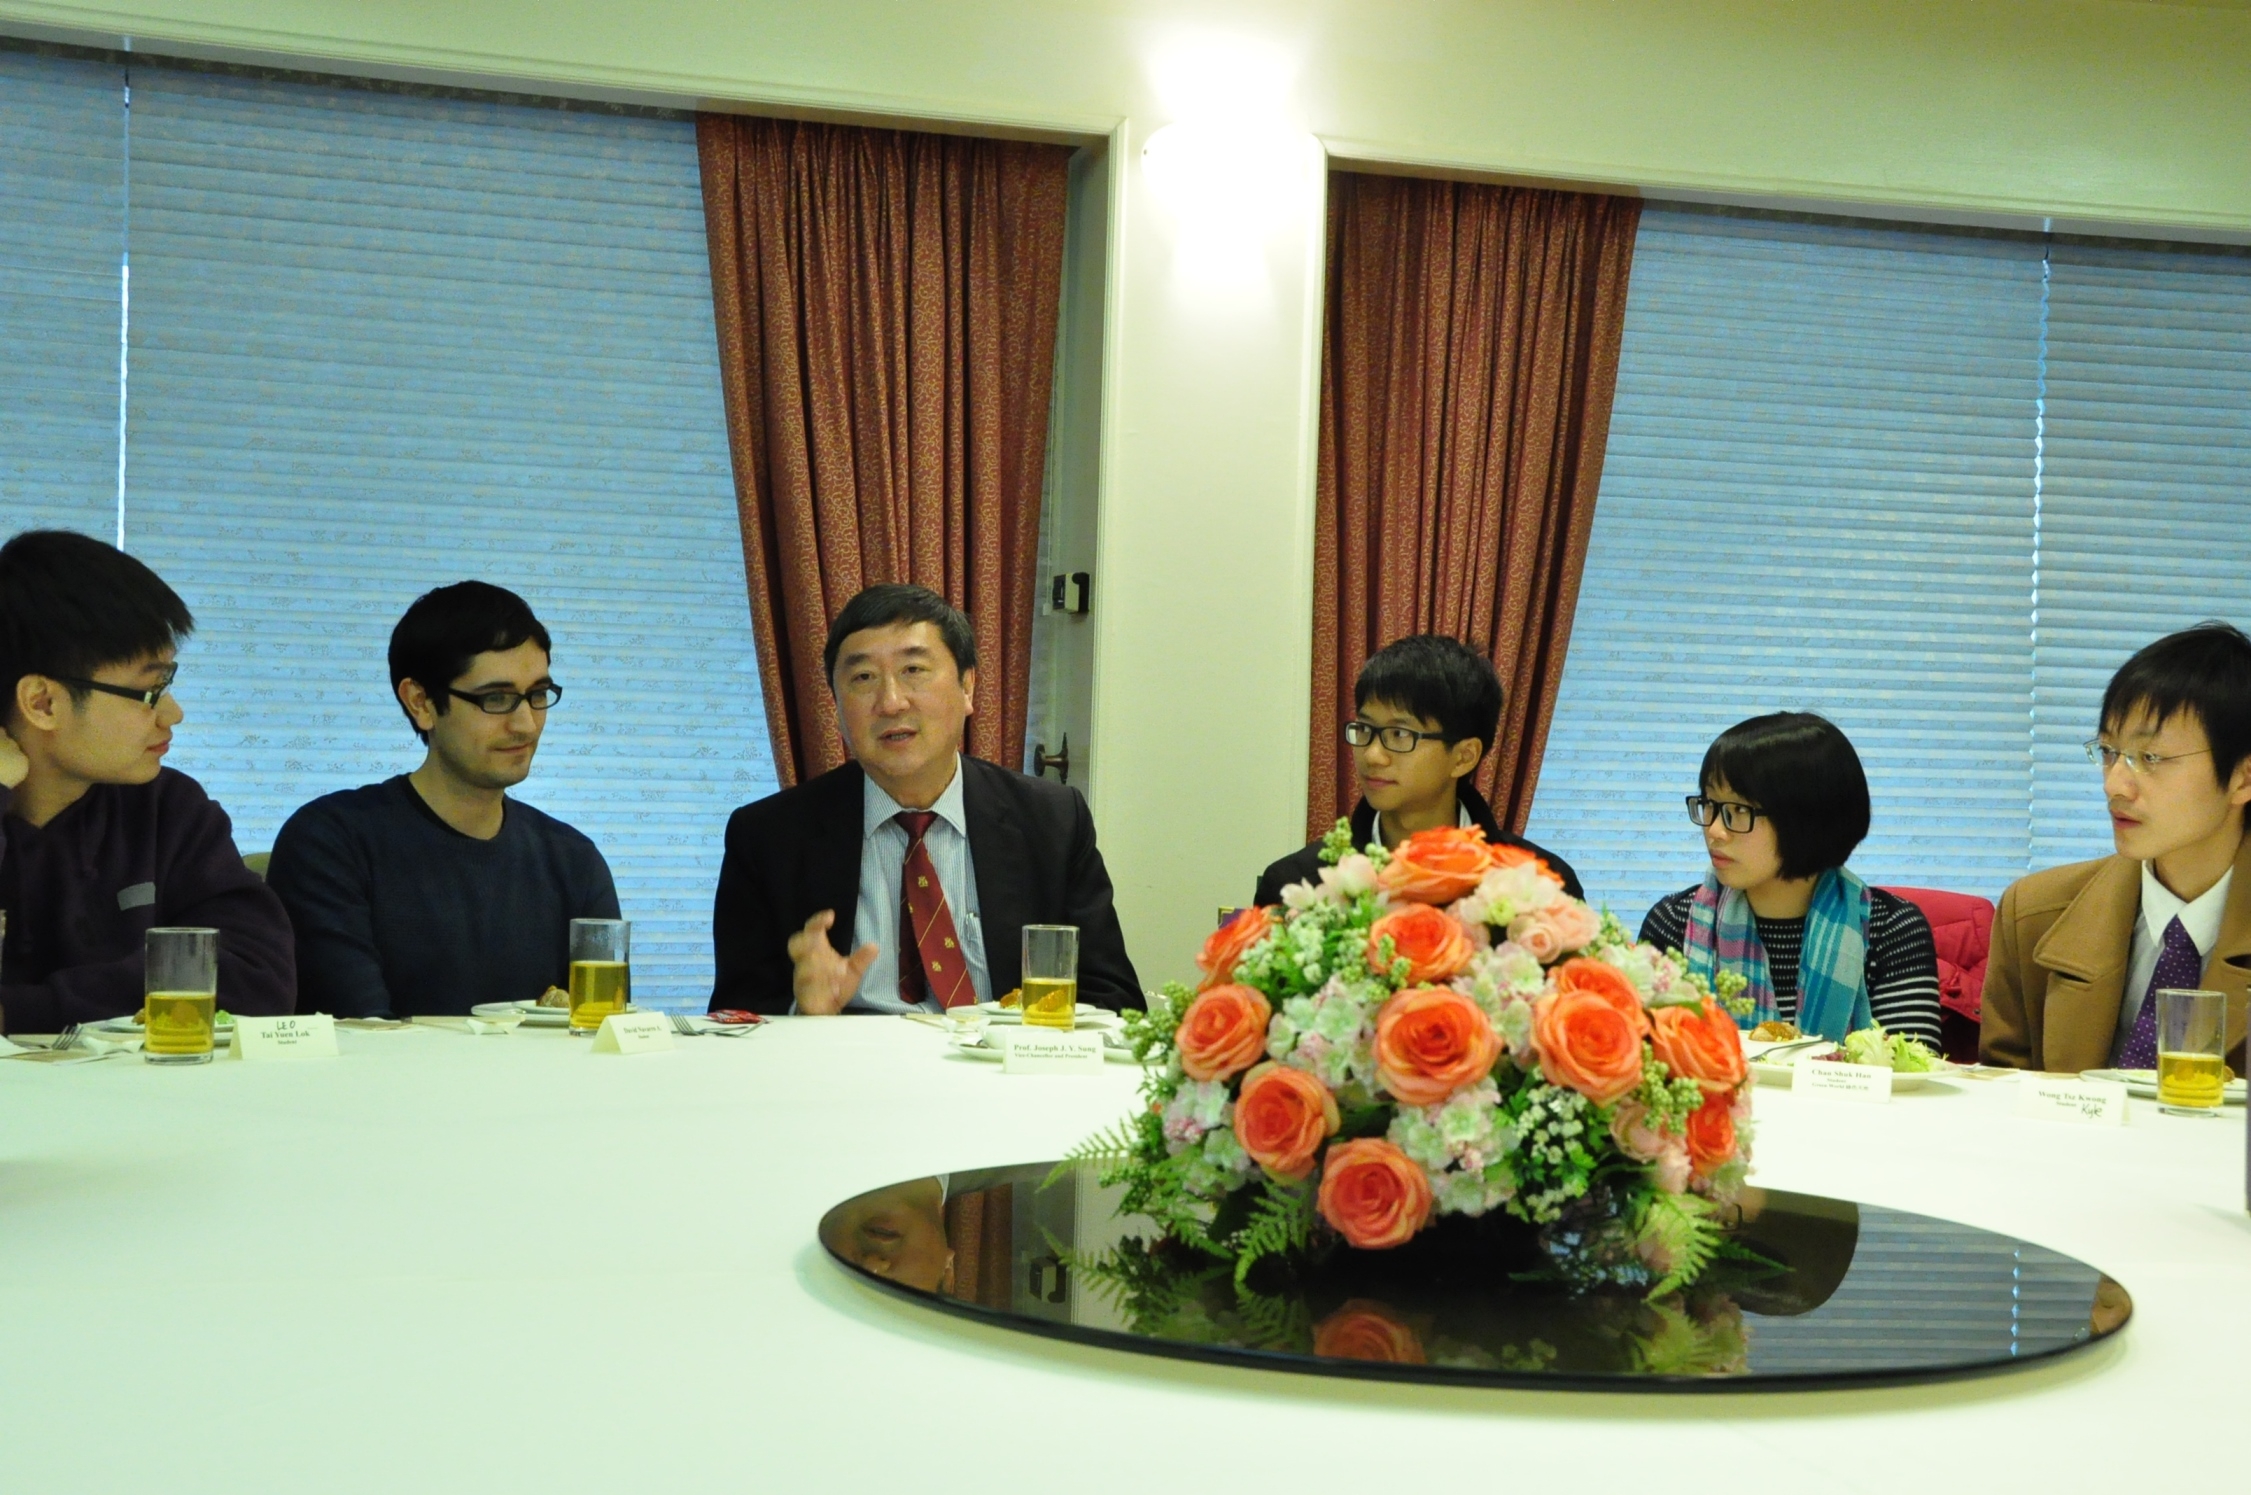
x: 99, y: 842
x: 434, y: 891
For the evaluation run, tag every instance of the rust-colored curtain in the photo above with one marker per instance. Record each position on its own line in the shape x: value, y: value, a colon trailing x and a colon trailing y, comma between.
x: 886, y: 303
x: 1467, y: 368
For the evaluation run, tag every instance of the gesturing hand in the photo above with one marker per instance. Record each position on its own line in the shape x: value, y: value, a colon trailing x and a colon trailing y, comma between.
x: 13, y: 765
x: 823, y: 981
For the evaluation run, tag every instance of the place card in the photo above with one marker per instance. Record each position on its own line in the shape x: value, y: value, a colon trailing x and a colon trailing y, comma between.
x: 305, y: 1035
x: 2071, y: 1100
x: 634, y: 1033
x: 1048, y: 1051
x: 1868, y: 1084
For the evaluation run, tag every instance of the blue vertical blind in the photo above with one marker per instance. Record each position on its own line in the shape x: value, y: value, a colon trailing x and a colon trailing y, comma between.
x: 1935, y: 485
x: 381, y: 341
x: 1818, y: 495
x: 2145, y: 522
x: 62, y: 237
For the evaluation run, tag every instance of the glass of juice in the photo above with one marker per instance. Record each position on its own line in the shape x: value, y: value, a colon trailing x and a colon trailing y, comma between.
x: 1051, y: 975
x: 180, y: 971
x: 2191, y: 1051
x: 601, y: 971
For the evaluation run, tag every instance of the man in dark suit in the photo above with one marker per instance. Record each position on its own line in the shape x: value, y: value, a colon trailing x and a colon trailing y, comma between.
x: 1426, y: 709
x: 932, y: 861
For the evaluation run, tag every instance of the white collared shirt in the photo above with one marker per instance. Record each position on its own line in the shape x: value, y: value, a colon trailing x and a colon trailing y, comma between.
x: 883, y: 857
x: 2160, y: 906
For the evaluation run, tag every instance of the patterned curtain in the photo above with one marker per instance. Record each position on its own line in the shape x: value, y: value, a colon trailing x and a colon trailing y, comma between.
x: 886, y: 305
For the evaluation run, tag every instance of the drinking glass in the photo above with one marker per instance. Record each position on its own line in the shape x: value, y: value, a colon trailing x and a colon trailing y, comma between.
x: 601, y: 971
x: 180, y: 986
x: 2191, y: 1050
x: 1051, y: 975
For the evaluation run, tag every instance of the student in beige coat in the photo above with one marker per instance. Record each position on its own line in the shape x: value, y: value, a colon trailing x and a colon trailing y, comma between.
x: 2077, y: 950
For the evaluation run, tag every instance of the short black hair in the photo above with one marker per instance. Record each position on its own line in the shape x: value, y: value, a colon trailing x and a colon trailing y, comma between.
x: 891, y: 603
x: 72, y: 605
x: 2206, y: 671
x: 1439, y: 679
x: 1803, y: 775
x: 447, y: 628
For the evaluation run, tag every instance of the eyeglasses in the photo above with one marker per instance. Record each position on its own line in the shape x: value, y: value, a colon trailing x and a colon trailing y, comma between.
x: 1395, y: 739
x: 1737, y: 818
x: 2103, y: 755
x: 147, y: 698
x: 505, y: 702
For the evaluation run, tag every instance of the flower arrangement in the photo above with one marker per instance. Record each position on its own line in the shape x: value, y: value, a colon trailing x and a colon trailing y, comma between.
x: 1436, y: 1031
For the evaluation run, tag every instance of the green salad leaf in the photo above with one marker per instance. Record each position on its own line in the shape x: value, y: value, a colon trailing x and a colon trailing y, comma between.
x: 1904, y: 1055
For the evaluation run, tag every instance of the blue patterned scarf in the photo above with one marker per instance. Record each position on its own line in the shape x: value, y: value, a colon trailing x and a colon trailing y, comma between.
x: 1723, y: 935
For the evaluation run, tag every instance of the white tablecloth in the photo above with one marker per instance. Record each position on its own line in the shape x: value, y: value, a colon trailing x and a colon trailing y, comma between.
x: 446, y: 1263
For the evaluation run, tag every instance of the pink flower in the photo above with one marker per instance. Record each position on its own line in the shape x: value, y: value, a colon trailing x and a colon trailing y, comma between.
x: 1537, y: 937
x: 1574, y: 923
x: 1636, y: 1138
x: 1673, y: 1167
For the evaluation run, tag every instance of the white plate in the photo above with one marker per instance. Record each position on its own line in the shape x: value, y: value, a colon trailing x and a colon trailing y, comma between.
x: 125, y: 1027
x: 1088, y: 1017
x: 535, y: 1016
x: 1783, y: 1071
x: 973, y: 1046
x: 2143, y: 1082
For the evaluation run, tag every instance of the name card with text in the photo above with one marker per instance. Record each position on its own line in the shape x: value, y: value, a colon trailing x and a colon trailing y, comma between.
x: 634, y: 1033
x: 307, y: 1035
x: 1869, y: 1084
x: 2070, y: 1100
x: 1049, y: 1051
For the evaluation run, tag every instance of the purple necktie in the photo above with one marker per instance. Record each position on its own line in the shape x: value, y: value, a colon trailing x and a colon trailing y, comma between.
x: 2178, y: 965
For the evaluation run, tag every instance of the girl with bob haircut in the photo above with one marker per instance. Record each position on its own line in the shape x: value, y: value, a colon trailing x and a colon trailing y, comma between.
x: 1783, y: 803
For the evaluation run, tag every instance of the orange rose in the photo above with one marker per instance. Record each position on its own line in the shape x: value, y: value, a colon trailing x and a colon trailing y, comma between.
x: 1282, y: 1118
x: 1586, y: 1045
x: 1602, y: 979
x: 1436, y: 866
x: 1700, y: 1044
x: 1432, y: 1041
x: 1230, y: 942
x: 1222, y: 1033
x: 1374, y: 1194
x: 1517, y: 856
x: 1434, y: 943
x: 1362, y: 1330
x: 1711, y: 1134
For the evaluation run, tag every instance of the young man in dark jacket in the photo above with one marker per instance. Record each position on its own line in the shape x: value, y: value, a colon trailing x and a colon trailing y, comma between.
x: 1425, y: 712
x: 99, y: 842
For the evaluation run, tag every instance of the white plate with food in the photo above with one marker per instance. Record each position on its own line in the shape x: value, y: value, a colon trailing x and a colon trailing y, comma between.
x: 2143, y: 1083
x: 1782, y: 1069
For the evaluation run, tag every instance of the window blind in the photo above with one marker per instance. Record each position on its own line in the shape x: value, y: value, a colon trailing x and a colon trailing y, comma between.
x: 62, y: 235
x: 382, y: 341
x: 2145, y: 493
x: 1818, y: 495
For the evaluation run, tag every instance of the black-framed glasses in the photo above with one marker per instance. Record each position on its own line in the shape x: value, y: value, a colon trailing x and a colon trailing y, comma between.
x: 148, y: 697
x: 505, y: 702
x: 1394, y: 739
x: 2103, y: 755
x: 1736, y: 817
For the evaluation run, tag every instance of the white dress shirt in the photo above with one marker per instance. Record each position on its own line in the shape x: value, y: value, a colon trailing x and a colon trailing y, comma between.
x: 883, y: 858
x: 2160, y: 906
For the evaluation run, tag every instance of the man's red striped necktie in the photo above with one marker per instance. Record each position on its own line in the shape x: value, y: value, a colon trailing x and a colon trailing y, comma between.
x: 936, y: 964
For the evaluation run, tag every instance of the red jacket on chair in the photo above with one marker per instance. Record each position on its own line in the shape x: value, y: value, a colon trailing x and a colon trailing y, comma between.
x: 1962, y: 929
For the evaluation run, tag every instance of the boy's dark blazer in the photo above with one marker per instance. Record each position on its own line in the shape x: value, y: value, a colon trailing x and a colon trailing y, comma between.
x: 793, y: 854
x: 1304, y: 865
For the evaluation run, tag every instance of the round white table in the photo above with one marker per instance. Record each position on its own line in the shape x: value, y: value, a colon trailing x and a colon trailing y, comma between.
x: 442, y: 1262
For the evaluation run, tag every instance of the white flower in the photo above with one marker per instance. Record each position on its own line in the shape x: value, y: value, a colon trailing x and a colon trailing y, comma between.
x: 1351, y: 876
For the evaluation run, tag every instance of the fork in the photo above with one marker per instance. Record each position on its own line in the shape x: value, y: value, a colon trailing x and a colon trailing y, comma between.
x: 67, y: 1038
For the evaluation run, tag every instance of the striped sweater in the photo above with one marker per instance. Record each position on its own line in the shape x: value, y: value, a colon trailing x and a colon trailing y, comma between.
x: 1902, y: 961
